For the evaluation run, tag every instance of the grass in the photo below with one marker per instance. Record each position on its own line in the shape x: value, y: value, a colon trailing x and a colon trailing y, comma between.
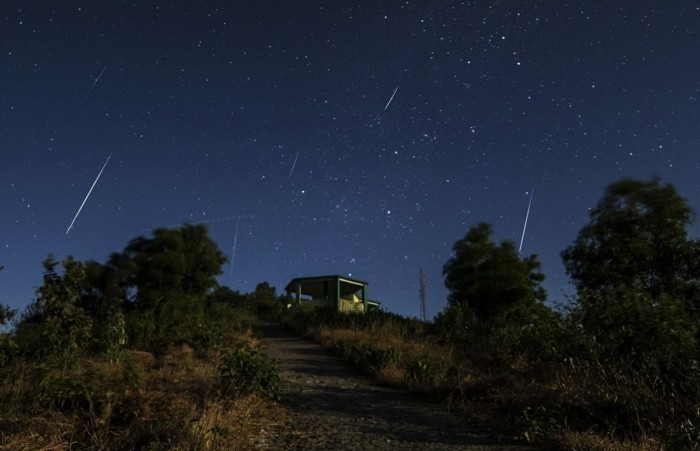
x: 173, y: 402
x: 572, y: 406
x: 206, y: 395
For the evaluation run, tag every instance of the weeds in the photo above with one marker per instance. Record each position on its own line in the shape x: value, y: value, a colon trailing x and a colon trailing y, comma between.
x: 246, y: 370
x: 499, y: 380
x: 171, y: 402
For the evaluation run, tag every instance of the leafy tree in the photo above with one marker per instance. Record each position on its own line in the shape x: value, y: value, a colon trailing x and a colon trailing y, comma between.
x: 266, y: 302
x: 492, y: 279
x: 175, y: 262
x: 62, y: 327
x: 636, y: 272
x: 104, y: 299
x: 636, y: 238
x: 6, y: 314
x: 636, y: 244
x: 634, y: 258
x: 264, y: 293
x: 226, y: 296
x: 166, y: 279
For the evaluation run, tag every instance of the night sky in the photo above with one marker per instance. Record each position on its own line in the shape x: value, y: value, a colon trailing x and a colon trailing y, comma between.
x: 333, y: 137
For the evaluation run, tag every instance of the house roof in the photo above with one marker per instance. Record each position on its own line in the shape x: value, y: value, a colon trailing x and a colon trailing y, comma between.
x: 314, y: 286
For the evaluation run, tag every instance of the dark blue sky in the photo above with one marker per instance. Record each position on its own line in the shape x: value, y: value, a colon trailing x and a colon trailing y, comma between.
x: 268, y: 121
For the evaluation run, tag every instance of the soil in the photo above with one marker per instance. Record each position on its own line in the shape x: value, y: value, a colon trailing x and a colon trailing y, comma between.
x: 334, y: 406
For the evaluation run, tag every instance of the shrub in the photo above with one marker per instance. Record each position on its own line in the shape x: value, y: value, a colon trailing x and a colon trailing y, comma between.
x: 206, y: 338
x: 421, y: 370
x: 367, y: 355
x: 94, y: 391
x: 63, y: 326
x: 247, y: 370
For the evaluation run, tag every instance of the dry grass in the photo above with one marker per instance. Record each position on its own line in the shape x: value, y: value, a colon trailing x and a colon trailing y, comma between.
x: 591, y: 441
x: 50, y: 431
x: 392, y: 374
x: 535, y: 403
x: 178, y: 406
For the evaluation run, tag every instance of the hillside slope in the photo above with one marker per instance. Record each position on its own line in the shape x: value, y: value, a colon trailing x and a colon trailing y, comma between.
x: 333, y: 406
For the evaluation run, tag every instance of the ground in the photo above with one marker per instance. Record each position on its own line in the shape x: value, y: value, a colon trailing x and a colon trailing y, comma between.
x: 334, y: 406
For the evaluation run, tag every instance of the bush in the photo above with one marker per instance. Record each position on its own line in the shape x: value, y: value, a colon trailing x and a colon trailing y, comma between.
x: 94, y: 391
x: 207, y: 338
x: 422, y: 370
x: 63, y: 326
x: 366, y: 355
x: 247, y: 370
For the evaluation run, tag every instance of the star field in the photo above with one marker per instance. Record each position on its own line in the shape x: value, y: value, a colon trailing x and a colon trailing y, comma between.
x: 274, y: 123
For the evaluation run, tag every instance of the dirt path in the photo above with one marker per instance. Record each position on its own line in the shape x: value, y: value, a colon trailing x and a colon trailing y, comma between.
x: 333, y: 406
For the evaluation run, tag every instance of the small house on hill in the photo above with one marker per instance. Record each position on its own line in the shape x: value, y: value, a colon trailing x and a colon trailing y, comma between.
x: 343, y: 293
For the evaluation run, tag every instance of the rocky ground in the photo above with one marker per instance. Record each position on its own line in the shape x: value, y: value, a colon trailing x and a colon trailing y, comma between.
x: 333, y: 406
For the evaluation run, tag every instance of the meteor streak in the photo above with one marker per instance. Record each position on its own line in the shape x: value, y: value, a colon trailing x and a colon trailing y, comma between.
x: 88, y: 194
x: 293, y: 165
x: 392, y: 98
x: 95, y: 82
x: 527, y: 215
x: 233, y: 252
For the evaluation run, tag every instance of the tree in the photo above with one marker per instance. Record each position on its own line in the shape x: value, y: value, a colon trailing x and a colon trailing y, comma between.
x: 6, y: 314
x: 226, y: 296
x: 266, y: 302
x: 492, y: 279
x: 62, y: 326
x: 264, y: 293
x: 104, y: 299
x: 181, y: 262
x: 636, y: 272
x: 166, y: 279
x: 636, y: 238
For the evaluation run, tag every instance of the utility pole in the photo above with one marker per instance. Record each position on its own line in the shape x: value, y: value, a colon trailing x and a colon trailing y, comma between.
x: 421, y: 291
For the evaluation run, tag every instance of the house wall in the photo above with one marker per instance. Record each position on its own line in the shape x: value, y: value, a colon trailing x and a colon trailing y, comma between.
x: 327, y: 291
x: 347, y: 305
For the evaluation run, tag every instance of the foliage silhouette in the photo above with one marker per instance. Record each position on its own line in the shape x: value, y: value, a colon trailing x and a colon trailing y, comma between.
x: 492, y: 279
x: 636, y: 238
x: 65, y: 327
x: 635, y: 319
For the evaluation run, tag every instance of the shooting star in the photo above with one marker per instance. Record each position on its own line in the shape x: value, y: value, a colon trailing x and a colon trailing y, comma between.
x: 95, y: 82
x: 88, y: 194
x: 390, y: 99
x: 293, y: 165
x: 233, y: 252
x: 527, y: 215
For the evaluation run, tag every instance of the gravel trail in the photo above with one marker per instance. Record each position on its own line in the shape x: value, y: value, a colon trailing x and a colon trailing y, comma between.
x: 334, y: 406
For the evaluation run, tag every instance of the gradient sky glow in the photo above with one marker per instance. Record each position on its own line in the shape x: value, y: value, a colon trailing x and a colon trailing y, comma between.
x: 270, y: 119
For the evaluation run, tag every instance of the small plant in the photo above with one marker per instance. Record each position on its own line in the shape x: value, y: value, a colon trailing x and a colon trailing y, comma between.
x: 688, y: 434
x: 207, y: 338
x: 378, y: 358
x: 539, y: 421
x: 92, y: 391
x: 247, y: 370
x: 422, y: 369
x: 115, y: 337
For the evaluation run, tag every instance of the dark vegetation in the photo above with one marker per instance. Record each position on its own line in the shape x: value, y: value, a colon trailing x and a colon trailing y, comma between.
x: 143, y: 352
x: 146, y: 351
x: 614, y: 368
